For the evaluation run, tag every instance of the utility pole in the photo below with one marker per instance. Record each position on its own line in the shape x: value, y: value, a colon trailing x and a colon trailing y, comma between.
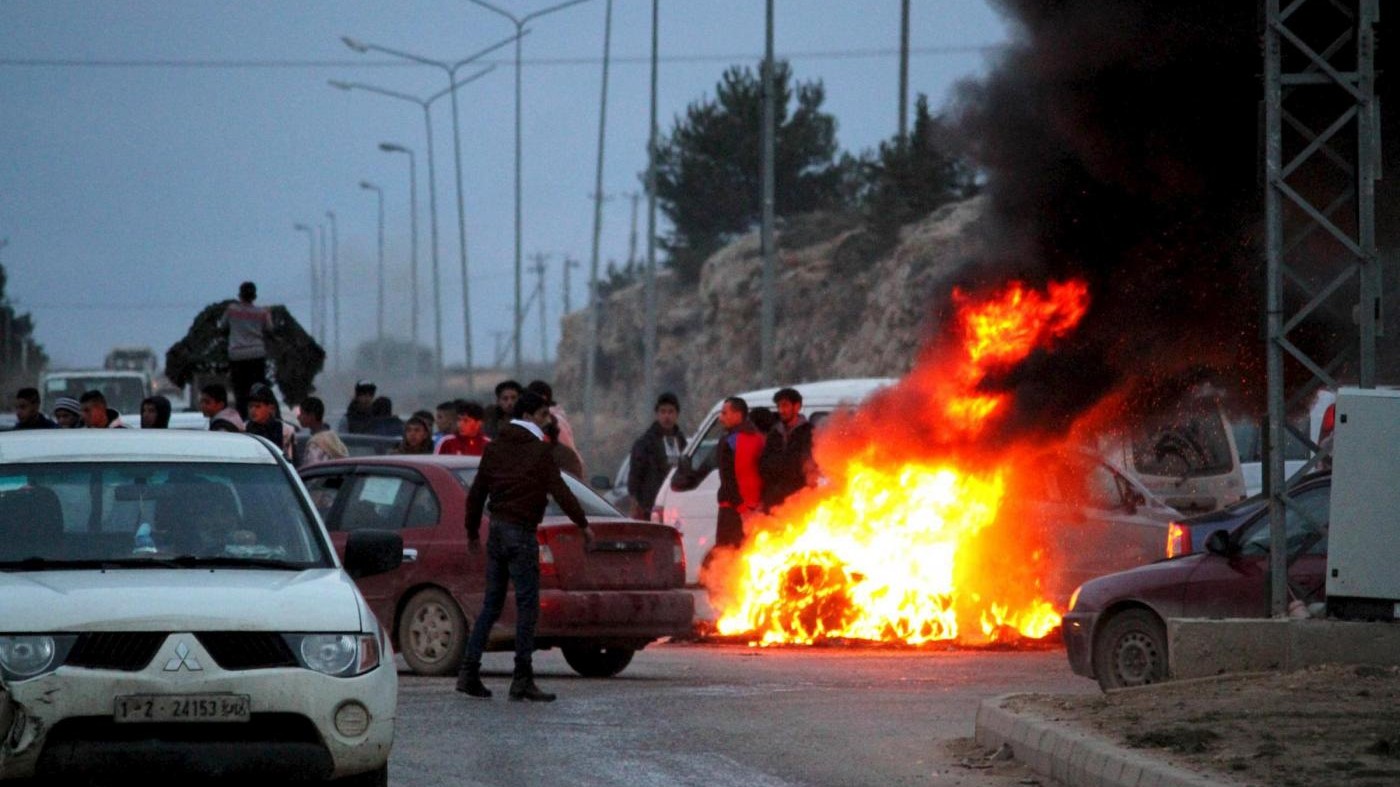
x: 649, y: 331
x: 335, y: 286
x: 321, y: 296
x: 636, y: 197
x: 538, y: 269
x: 765, y: 351
x: 591, y: 359
x: 569, y: 264
x: 903, y: 68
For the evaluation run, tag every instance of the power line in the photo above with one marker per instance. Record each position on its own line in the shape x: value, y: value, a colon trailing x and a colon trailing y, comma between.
x: 826, y: 54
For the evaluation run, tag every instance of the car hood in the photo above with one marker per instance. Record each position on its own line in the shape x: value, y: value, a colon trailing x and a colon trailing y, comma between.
x: 147, y: 599
x: 1162, y: 582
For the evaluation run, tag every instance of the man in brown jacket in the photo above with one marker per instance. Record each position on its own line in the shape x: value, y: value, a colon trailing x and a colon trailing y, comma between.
x: 516, y: 475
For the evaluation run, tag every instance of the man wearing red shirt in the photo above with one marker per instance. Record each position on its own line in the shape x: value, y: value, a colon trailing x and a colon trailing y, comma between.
x: 469, y: 441
x: 740, y: 485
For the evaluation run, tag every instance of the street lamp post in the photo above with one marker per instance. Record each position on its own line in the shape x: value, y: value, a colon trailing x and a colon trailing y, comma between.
x: 590, y: 361
x: 520, y: 22
x: 451, y: 69
x: 389, y: 147
x: 426, y: 104
x: 379, y: 323
x: 311, y: 258
x: 335, y: 286
x: 321, y: 298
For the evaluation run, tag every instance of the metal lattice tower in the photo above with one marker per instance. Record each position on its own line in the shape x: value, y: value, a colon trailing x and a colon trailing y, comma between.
x: 1322, y: 160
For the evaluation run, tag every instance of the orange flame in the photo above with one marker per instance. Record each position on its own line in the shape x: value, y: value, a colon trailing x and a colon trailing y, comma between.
x: 894, y: 547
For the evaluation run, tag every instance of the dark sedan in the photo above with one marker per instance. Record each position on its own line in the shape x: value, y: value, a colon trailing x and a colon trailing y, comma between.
x: 1115, y: 630
x: 599, y: 605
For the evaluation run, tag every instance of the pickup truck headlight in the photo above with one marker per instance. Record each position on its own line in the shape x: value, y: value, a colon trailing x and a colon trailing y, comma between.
x: 338, y: 655
x: 24, y: 656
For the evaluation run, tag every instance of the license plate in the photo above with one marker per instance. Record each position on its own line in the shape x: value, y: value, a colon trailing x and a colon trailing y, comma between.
x: 181, y: 707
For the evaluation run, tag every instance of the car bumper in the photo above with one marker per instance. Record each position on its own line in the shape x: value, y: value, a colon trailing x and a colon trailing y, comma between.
x: 1077, y: 629
x: 62, y: 723
x: 628, y: 614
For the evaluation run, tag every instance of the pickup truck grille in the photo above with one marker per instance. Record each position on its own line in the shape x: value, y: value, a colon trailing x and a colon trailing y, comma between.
x: 116, y: 650
x: 244, y: 650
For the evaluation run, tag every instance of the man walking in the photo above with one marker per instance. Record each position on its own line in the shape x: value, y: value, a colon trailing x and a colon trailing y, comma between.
x: 247, y: 326
x: 654, y: 454
x: 28, y: 414
x: 517, y: 472
x: 787, y: 455
x: 740, y: 485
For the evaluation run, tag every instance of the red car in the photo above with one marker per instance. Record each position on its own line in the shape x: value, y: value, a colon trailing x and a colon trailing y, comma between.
x: 599, y: 605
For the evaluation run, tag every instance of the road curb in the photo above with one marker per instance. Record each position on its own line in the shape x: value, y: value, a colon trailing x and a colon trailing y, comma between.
x: 1069, y: 756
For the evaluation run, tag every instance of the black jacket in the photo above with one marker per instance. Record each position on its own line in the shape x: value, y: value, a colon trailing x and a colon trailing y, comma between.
x: 649, y: 465
x: 39, y: 421
x: 517, y: 472
x: 783, y: 464
x: 357, y: 420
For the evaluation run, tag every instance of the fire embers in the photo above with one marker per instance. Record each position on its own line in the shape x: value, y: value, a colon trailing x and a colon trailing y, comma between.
x: 903, y: 541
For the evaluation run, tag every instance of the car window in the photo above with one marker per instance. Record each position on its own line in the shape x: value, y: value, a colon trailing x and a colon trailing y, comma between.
x: 1183, y: 445
x: 1255, y: 539
x: 703, y: 454
x: 324, y: 490
x: 146, y: 510
x: 593, y: 505
x: 376, y: 502
x: 424, y: 510
x: 1083, y: 481
x: 1249, y: 440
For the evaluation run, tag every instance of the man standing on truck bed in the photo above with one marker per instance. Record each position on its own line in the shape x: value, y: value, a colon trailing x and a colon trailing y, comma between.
x: 248, y: 327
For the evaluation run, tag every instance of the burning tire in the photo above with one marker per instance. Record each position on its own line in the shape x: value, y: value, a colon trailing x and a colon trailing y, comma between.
x: 432, y: 633
x: 1131, y: 650
x: 596, y: 661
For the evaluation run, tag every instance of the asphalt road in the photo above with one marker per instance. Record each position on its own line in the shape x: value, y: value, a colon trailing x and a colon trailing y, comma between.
x: 716, y: 715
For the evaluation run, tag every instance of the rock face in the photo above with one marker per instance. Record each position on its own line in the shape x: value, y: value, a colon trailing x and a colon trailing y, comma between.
x: 843, y: 310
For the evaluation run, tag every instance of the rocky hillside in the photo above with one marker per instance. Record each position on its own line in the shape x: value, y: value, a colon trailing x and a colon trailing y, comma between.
x: 843, y: 310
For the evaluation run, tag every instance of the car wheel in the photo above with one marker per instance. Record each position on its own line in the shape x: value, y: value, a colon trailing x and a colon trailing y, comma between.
x: 1131, y: 650
x: 596, y: 661
x: 379, y: 777
x: 432, y: 633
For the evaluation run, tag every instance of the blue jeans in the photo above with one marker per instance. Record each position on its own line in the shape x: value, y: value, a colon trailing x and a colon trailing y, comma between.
x: 512, y: 553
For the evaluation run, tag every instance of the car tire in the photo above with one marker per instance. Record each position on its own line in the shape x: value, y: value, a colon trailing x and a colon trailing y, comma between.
x: 432, y: 633
x: 379, y: 777
x: 1131, y: 650
x: 596, y: 661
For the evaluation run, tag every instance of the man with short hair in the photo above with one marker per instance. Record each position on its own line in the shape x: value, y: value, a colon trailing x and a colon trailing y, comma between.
x: 359, y: 415
x: 469, y: 441
x: 323, y: 444
x: 213, y: 402
x: 28, y: 414
x: 445, y: 421
x: 263, y: 420
x: 786, y: 462
x: 516, y: 475
x: 97, y: 414
x: 654, y: 454
x: 499, y: 414
x: 68, y: 413
x: 248, y: 328
x: 740, y: 485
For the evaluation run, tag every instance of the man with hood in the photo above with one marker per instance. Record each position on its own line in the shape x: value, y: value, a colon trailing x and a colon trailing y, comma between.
x: 28, y: 414
x: 97, y: 414
x: 155, y: 412
x: 359, y: 418
x: 654, y: 454
x: 516, y: 474
x: 787, y: 461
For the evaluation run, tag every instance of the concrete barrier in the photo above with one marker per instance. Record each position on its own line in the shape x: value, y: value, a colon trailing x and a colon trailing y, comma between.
x: 1201, y: 648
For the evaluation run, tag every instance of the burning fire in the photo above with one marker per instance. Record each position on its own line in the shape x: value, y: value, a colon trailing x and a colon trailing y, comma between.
x: 900, y: 545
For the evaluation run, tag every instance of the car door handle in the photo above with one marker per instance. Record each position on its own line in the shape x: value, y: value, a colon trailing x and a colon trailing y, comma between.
x: 410, y: 556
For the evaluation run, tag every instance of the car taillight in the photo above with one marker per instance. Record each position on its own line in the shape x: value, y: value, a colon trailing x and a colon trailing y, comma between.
x: 1329, y: 422
x: 1178, y: 540
x: 547, y: 565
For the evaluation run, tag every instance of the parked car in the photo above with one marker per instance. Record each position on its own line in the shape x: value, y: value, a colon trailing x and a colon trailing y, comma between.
x: 598, y: 605
x: 170, y: 602
x: 1115, y: 629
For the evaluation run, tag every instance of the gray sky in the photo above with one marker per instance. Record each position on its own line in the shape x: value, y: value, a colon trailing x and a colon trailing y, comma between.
x: 134, y: 196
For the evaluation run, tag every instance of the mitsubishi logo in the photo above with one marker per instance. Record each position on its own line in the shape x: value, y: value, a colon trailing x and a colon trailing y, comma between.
x: 183, y: 659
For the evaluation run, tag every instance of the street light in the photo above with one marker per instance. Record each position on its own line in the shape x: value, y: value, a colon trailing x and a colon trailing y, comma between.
x: 389, y: 147
x: 451, y: 69
x: 426, y: 104
x: 335, y: 285
x: 311, y: 257
x: 379, y: 330
x: 520, y: 22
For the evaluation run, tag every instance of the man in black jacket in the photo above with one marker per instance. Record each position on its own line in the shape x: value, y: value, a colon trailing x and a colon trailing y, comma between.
x: 517, y: 472
x: 654, y: 454
x: 787, y: 455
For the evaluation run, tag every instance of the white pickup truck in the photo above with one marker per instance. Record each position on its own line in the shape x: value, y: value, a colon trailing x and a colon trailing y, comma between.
x: 124, y: 390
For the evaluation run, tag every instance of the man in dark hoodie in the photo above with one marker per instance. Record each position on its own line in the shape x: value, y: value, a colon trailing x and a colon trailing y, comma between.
x: 787, y: 455
x: 155, y: 412
x: 516, y: 474
x: 358, y: 419
x: 654, y: 454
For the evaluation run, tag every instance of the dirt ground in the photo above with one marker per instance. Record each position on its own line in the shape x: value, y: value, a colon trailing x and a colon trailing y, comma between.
x: 1326, y: 725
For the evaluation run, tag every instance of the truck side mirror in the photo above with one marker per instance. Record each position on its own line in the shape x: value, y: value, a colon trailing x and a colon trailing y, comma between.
x: 1218, y: 543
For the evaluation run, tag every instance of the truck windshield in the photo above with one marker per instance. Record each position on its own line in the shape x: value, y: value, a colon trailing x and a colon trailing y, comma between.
x: 123, y: 393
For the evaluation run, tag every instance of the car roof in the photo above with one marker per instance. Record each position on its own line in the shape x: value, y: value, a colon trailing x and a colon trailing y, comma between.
x: 820, y: 392
x: 133, y: 445
x: 446, y: 461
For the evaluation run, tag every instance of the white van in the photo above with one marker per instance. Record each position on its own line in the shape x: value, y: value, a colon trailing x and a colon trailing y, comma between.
x: 687, y: 499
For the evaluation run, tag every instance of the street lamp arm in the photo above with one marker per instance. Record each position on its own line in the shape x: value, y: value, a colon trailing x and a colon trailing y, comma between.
x: 460, y: 83
x: 488, y: 50
x: 363, y: 47
x: 549, y: 10
x: 518, y: 22
x: 335, y: 83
